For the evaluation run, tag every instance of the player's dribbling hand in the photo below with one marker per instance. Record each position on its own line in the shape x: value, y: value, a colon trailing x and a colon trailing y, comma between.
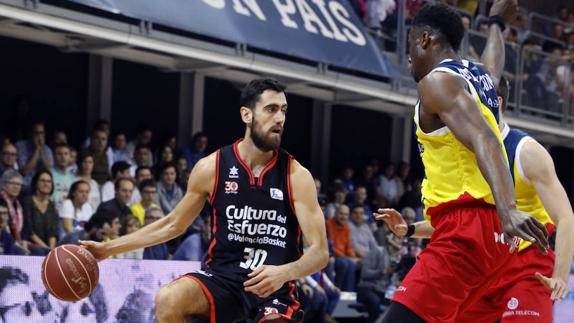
x: 558, y: 286
x: 393, y: 219
x: 97, y: 249
x: 521, y: 225
x: 265, y: 280
x: 506, y: 9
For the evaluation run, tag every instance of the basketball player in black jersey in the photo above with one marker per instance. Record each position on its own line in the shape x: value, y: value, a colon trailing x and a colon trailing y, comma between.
x: 263, y: 203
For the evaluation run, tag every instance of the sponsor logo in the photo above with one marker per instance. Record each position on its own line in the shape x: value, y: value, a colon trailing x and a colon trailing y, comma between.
x: 199, y: 271
x: 401, y: 289
x: 234, y: 172
x: 276, y: 194
x: 277, y: 302
x: 500, y: 238
x: 512, y: 303
x: 271, y: 311
x: 231, y: 187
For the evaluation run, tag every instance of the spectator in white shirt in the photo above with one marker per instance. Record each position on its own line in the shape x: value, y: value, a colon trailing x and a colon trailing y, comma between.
x: 76, y: 210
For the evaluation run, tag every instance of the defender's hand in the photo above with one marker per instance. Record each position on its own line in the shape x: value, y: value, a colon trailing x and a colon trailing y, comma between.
x: 97, y: 249
x: 265, y: 280
x: 506, y: 9
x: 521, y: 225
x: 393, y: 219
x: 558, y: 286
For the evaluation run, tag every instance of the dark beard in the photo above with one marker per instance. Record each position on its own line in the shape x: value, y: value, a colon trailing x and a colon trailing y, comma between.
x: 259, y: 139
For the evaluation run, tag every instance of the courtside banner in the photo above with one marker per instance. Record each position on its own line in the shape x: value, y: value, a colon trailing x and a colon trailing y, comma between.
x: 125, y: 292
x: 323, y: 31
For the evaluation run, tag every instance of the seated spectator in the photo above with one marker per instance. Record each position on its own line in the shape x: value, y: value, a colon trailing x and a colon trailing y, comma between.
x: 113, y: 230
x: 59, y: 137
x: 40, y: 212
x: 62, y: 178
x: 8, y: 245
x: 370, y: 181
x: 85, y: 169
x: 144, y: 136
x: 119, y: 204
x: 142, y: 158
x: 413, y: 198
x: 362, y: 236
x: 322, y: 284
x: 142, y: 173
x: 346, y: 181
x: 195, y: 246
x: 165, y: 156
x: 120, y: 169
x: 120, y: 150
x: 345, y: 257
x: 375, y: 272
x: 11, y: 184
x: 181, y: 165
x: 76, y: 210
x: 95, y: 229
x: 403, y: 178
x: 313, y: 301
x: 320, y: 195
x: 157, y: 252
x: 389, y: 187
x: 73, y: 163
x: 98, y: 148
x: 197, y: 150
x: 8, y: 158
x: 34, y: 154
x: 169, y: 193
x: 148, y: 189
x: 360, y: 198
x: 129, y: 225
x: 339, y: 199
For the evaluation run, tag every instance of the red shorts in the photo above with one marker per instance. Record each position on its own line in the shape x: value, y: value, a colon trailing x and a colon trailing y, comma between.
x: 459, y: 264
x: 518, y: 296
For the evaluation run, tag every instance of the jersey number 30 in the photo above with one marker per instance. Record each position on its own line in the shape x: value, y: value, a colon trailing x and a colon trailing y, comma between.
x: 253, y: 258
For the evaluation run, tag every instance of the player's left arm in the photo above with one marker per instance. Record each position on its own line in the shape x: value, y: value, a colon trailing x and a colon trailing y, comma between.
x: 267, y: 279
x: 539, y: 169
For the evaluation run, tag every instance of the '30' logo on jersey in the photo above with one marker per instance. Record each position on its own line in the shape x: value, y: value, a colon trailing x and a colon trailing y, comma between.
x: 231, y: 187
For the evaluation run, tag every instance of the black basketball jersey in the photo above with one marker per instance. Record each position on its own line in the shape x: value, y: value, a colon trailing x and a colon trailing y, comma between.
x: 253, y: 220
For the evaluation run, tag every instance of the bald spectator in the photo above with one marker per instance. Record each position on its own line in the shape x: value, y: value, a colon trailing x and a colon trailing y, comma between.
x: 8, y: 158
x: 33, y: 153
x: 62, y: 177
x: 345, y: 257
x: 362, y: 236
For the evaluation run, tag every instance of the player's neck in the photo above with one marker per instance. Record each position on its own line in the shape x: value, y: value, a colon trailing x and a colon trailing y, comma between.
x: 440, y: 54
x: 252, y: 155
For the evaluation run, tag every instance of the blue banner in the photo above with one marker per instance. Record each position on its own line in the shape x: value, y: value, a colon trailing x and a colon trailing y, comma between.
x: 323, y: 31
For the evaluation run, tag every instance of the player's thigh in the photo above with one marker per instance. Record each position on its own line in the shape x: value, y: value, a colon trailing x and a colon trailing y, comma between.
x: 527, y: 301
x: 183, y: 295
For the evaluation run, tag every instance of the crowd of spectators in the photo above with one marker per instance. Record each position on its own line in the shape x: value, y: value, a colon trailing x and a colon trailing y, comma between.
x: 53, y: 194
x: 539, y: 52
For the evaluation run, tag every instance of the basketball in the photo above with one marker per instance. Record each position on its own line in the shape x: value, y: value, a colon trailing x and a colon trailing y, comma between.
x: 70, y: 273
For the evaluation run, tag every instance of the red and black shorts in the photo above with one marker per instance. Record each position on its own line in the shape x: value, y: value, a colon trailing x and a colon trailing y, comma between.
x: 229, y: 301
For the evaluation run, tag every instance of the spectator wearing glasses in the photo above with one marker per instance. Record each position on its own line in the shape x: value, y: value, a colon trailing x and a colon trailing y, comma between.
x: 157, y: 252
x: 148, y: 191
x: 11, y: 184
x: 8, y: 158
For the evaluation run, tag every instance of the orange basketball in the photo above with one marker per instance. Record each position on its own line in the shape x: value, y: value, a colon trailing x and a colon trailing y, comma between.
x: 70, y: 273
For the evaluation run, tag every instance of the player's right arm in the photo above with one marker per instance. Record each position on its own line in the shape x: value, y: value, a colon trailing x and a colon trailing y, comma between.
x: 199, y: 187
x: 445, y: 95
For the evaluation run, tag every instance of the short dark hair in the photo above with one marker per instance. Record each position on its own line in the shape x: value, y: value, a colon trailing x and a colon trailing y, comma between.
x: 62, y: 145
x: 146, y: 183
x: 503, y: 90
x: 120, y: 166
x: 142, y: 146
x: 443, y: 20
x: 139, y: 169
x: 3, y: 202
x: 119, y: 181
x: 36, y: 178
x: 74, y: 187
x: 252, y: 91
x: 97, y: 221
x: 165, y: 166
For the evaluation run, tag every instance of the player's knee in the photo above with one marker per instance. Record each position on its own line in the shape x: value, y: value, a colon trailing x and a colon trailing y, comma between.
x: 165, y: 304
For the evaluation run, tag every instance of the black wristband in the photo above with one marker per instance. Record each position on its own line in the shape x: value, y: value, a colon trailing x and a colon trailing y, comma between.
x: 410, y: 230
x: 497, y: 20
